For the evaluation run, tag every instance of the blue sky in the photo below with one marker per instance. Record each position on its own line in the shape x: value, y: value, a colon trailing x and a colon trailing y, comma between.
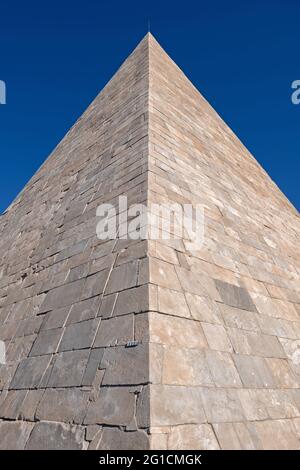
x: 56, y: 56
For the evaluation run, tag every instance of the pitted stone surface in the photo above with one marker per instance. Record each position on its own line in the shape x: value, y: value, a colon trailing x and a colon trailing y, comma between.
x: 130, y: 344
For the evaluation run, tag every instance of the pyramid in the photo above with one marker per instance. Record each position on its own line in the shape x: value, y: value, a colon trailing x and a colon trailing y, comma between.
x: 146, y: 343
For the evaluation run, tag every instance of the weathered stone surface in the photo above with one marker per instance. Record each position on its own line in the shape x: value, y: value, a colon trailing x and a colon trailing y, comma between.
x: 254, y: 371
x: 68, y: 405
x: 128, y: 366
x: 185, y: 367
x: 93, y: 364
x: 79, y: 335
x: 193, y: 437
x: 56, y: 436
x: 123, y: 277
x: 172, y: 405
x: 222, y: 405
x: 14, y: 435
x: 235, y: 296
x: 172, y: 302
x: 46, y: 342
x: 115, y: 331
x: 68, y: 369
x: 115, y: 406
x: 175, y: 331
x: 62, y: 296
x: 234, y: 436
x: 217, y: 337
x: 30, y: 372
x: 114, y: 439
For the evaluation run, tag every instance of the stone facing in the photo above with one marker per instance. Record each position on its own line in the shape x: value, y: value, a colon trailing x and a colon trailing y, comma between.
x: 217, y: 331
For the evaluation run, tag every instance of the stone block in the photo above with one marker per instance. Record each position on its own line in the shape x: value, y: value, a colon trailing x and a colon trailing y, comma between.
x: 173, y: 405
x: 176, y: 331
x: 14, y: 435
x: 30, y: 372
x: 55, y: 436
x: 235, y: 296
x: 217, y: 337
x: 254, y: 371
x: 282, y: 373
x: 115, y: 406
x: 126, y: 366
x: 222, y: 405
x: 95, y: 284
x: 277, y: 435
x: 234, y: 436
x: 204, y: 309
x: 163, y: 274
x: 122, y: 277
x: 79, y: 335
x: 62, y: 296
x: 193, y: 437
x: 238, y: 318
x: 68, y: 369
x: 222, y: 369
x: 85, y: 310
x: 92, y: 366
x: 29, y: 405
x: 56, y: 318
x: 46, y: 342
x: 172, y: 302
x: 115, y: 439
x: 67, y: 406
x: 187, y: 367
x: 115, y: 331
x: 197, y: 283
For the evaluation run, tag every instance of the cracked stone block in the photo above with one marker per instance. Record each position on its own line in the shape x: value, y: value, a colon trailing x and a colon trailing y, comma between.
x: 46, y: 342
x: 56, y: 436
x: 14, y: 435
x: 235, y: 296
x: 79, y: 335
x: 68, y: 369
x: 115, y: 406
x: 67, y: 405
x: 30, y: 372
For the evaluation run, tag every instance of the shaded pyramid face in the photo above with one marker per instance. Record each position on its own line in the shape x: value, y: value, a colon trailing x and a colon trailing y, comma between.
x: 135, y: 344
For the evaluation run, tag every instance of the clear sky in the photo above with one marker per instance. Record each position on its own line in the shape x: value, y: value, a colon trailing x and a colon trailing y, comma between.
x: 56, y: 56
